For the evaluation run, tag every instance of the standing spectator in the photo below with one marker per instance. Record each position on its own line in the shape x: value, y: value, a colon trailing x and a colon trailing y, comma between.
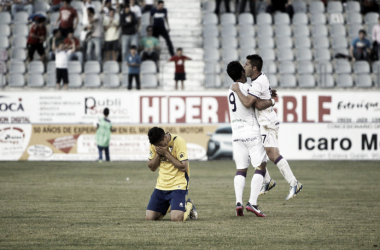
x: 5, y: 5
x: 111, y: 36
x: 67, y: 14
x: 137, y: 11
x: 133, y: 62
x: 103, y: 135
x: 106, y: 6
x: 280, y: 5
x: 55, y: 5
x: 376, y: 40
x: 150, y: 46
x: 117, y: 4
x: 57, y: 37
x: 128, y: 23
x: 148, y: 5
x: 85, y: 5
x: 22, y: 5
x: 252, y: 6
x: 369, y: 6
x: 36, y: 39
x: 226, y: 5
x: 158, y: 16
x: 61, y: 63
x: 95, y: 29
x: 77, y: 54
x: 360, y: 47
x: 179, y: 60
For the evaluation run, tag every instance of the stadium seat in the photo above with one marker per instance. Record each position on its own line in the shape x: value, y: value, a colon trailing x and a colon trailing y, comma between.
x: 77, y: 5
x: 5, y: 17
x: 306, y: 81
x: 284, y: 42
x: 321, y: 42
x: 212, y: 55
x: 3, y: 54
x: 305, y: 67
x: 245, y: 18
x: 210, y: 18
x: 111, y: 67
x: 36, y: 67
x: 317, y: 18
x: 210, y: 31
x: 212, y: 68
x: 337, y: 30
x: 75, y: 80
x: 326, y: 81
x: 229, y: 55
x: 272, y: 80
x: 266, y: 42
x: 229, y: 42
x: 352, y: 7
x: 227, y: 81
x: 19, y: 42
x: 354, y: 18
x: 353, y: 30
x: 53, y: 17
x: 343, y: 51
x: 212, y: 81
x: 92, y: 80
x: 287, y: 68
x: 319, y: 30
x: 369, y: 31
x: 376, y: 67
x: 371, y: 17
x: 5, y: 30
x: 316, y: 7
x: 75, y: 67
x: 148, y: 67
x: 281, y: 19
x: 78, y: 30
x: 111, y: 80
x: 299, y: 6
x: 269, y: 67
x: 51, y: 79
x: 246, y: 51
x: 125, y: 80
x: 344, y: 81
x: 265, y: 30
x: 336, y: 18
x: 301, y: 30
x: 149, y: 81
x: 40, y: 6
x: 4, y: 41
x: 247, y: 42
x: 303, y: 55
x: 322, y: 54
x: 300, y: 18
x: 209, y: 6
x: 17, y: 67
x: 361, y: 67
x: 20, y: 30
x: 3, y: 82
x: 376, y: 80
x: 267, y: 54
x: 92, y: 67
x: 247, y: 30
x: 227, y: 19
x: 18, y: 54
x: 285, y: 55
x: 228, y: 31
x: 97, y: 6
x: 288, y: 81
x: 334, y: 7
x: 342, y: 66
x: 363, y: 81
x: 339, y: 42
x: 16, y: 80
x: 21, y: 17
x: 50, y: 67
x: 302, y: 42
x: 36, y: 80
x: 211, y: 42
x: 283, y: 30
x: 264, y: 18
x: 324, y: 67
x: 124, y: 68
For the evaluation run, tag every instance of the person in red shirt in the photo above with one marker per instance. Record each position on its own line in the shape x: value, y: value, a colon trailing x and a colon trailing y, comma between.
x: 179, y: 60
x: 67, y: 14
x: 36, y: 38
x: 77, y: 55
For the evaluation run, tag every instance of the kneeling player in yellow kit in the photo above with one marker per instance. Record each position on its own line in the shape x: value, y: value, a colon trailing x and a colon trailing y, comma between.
x: 169, y: 153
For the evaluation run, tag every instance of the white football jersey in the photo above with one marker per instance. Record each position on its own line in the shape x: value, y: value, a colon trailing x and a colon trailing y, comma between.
x: 243, y: 120
x: 261, y: 89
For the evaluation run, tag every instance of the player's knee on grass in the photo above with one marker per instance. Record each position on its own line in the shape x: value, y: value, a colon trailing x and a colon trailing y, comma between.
x: 152, y: 215
x: 176, y: 215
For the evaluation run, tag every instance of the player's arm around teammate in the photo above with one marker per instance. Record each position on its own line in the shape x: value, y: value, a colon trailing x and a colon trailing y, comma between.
x: 250, y: 100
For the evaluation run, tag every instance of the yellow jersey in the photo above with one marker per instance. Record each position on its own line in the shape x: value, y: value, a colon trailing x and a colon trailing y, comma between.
x: 169, y: 177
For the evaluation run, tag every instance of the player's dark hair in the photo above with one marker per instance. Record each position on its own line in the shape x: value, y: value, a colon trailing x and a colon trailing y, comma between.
x: 156, y: 135
x: 106, y: 112
x: 41, y: 19
x: 160, y: 2
x: 256, y: 61
x: 91, y: 10
x: 179, y: 49
x: 234, y: 70
x: 363, y: 31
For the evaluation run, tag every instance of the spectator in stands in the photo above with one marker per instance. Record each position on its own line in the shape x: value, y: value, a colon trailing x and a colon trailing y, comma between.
x: 280, y: 5
x: 85, y: 5
x: 360, y: 47
x: 36, y: 39
x: 137, y: 11
x: 369, y: 6
x: 133, y: 62
x: 179, y: 60
x: 55, y: 5
x: 5, y: 5
x: 106, y: 6
x: 158, y: 16
x: 147, y: 5
x: 376, y: 39
x: 252, y: 6
x: 77, y: 54
x: 150, y: 46
x: 117, y: 4
x: 22, y: 5
x: 111, y: 35
x: 57, y: 37
x: 34, y: 17
x: 128, y: 23
x: 61, y: 63
x: 67, y: 15
x: 226, y: 5
x: 95, y: 29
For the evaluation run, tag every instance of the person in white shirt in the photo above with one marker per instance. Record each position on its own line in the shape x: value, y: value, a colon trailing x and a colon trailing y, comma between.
x: 246, y: 141
x: 95, y: 28
x: 111, y: 35
x: 269, y: 123
x: 137, y: 10
x: 376, y: 38
x: 85, y: 5
x: 61, y: 63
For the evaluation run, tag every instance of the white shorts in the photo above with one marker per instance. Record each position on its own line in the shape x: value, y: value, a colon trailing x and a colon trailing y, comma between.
x: 269, y: 135
x: 249, y: 150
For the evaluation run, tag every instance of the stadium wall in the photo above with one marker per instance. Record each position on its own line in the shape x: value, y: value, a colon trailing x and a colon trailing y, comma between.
x: 40, y: 125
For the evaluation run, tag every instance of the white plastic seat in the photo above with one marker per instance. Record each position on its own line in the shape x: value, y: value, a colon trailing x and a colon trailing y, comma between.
x: 344, y: 81
x: 324, y: 67
x: 339, y: 42
x: 111, y: 80
x: 376, y: 67
x: 21, y: 17
x: 287, y: 68
x: 342, y: 66
x: 285, y: 55
x: 227, y: 19
x: 227, y: 81
x: 149, y: 81
x: 363, y: 81
x: 322, y: 54
x: 288, y: 81
x: 244, y: 52
x: 212, y: 68
x: 210, y: 31
x: 230, y: 55
x: 321, y: 42
x: 304, y: 55
x: 229, y: 30
x: 337, y: 30
x: 266, y: 42
x: 336, y: 18
x: 18, y: 54
x: 247, y: 42
x: 5, y: 30
x: 305, y: 67
x: 371, y: 17
x: 210, y: 18
x: 317, y: 18
x: 92, y: 67
x: 36, y: 80
x: 354, y: 18
x: 272, y: 80
x: 229, y: 42
x: 247, y: 30
x: 264, y: 18
x: 19, y: 42
x: 36, y: 67
x: 16, y: 80
x: 352, y: 7
x: 334, y: 7
x: 361, y: 67
x: 20, y: 30
x: 326, y: 81
x: 74, y: 67
x: 306, y: 81
x: 283, y: 30
x: 148, y: 67
x: 301, y: 30
x: 209, y: 6
x: 319, y: 30
x: 77, y: 5
x: 353, y: 30
x: 75, y: 80
x: 299, y: 6
x: 265, y: 30
x: 316, y: 6
x: 300, y: 18
x: 212, y: 81
x: 267, y: 54
x: 92, y: 80
x: 111, y: 67
x: 17, y: 67
x: 4, y: 41
x: 211, y: 42
x: 5, y: 17
x: 302, y: 42
x: 281, y: 18
x: 269, y: 67
x: 284, y: 42
x: 212, y: 55
x: 245, y: 18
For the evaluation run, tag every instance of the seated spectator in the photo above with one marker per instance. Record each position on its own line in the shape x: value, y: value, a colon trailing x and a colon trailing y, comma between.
x: 36, y: 39
x: 22, y: 5
x: 111, y: 36
x: 67, y: 15
x: 57, y: 37
x: 150, y: 46
x: 95, y: 29
x: 133, y: 62
x: 280, y: 5
x: 34, y: 17
x: 55, y: 5
x: 61, y: 63
x: 77, y: 54
x: 369, y: 6
x: 5, y: 5
x: 360, y: 47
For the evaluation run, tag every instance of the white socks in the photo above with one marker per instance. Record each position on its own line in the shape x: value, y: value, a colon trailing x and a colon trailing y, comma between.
x: 267, y: 177
x: 285, y: 170
x: 256, y: 183
x: 239, y: 184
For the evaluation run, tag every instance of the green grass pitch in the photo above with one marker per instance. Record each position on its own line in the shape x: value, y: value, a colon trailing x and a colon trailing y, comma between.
x: 90, y: 205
